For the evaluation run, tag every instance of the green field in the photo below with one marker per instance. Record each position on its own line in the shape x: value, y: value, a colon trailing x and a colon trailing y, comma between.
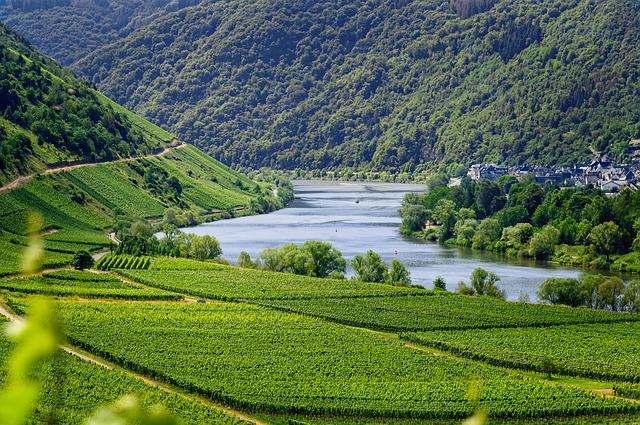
x: 251, y: 357
x: 82, y: 284
x: 11, y: 258
x: 606, y: 351
x: 230, y: 283
x: 77, y: 388
x: 109, y: 185
x: 442, y: 312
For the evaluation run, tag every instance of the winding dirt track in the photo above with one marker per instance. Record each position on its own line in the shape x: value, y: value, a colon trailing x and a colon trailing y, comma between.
x: 90, y: 358
x: 25, y: 179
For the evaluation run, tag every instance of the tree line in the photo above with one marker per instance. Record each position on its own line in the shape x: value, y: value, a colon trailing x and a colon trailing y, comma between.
x: 523, y: 218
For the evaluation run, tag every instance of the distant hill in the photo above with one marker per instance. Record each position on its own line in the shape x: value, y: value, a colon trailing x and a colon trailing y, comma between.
x: 386, y: 84
x: 84, y: 164
x: 70, y: 29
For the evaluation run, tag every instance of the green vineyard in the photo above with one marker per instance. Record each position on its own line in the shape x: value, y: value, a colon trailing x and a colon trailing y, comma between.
x: 251, y: 357
x: 229, y: 283
x: 442, y: 312
x: 125, y: 262
x: 79, y: 387
x: 604, y: 351
x: 78, y: 284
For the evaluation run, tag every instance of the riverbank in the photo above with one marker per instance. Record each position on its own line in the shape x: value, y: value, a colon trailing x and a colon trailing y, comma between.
x: 564, y: 255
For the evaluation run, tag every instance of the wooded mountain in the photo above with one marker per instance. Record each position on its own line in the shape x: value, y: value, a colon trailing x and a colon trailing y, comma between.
x: 384, y: 84
x: 48, y: 116
x: 68, y: 30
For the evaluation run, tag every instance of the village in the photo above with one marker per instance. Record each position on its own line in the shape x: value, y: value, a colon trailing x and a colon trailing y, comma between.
x: 601, y: 172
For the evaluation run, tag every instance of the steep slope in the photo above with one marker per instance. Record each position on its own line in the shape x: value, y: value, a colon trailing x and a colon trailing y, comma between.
x: 127, y: 168
x: 47, y: 116
x: 385, y: 84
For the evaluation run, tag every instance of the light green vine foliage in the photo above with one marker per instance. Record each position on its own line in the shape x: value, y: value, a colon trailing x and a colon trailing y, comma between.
x: 36, y: 339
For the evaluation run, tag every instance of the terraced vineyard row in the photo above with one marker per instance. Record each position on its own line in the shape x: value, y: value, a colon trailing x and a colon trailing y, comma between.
x: 252, y: 357
x: 126, y: 262
x: 442, y: 312
x: 11, y: 258
x: 82, y: 284
x: 80, y: 387
x: 229, y: 283
x: 108, y: 185
x: 628, y: 390
x: 604, y: 351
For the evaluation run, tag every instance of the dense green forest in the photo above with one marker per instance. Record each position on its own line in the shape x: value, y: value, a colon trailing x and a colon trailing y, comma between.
x: 385, y: 84
x: 70, y: 29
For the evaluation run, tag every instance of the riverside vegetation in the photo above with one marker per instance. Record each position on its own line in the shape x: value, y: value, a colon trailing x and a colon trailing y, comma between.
x: 582, y: 227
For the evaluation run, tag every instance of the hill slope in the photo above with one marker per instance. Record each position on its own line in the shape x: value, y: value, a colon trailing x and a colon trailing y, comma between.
x: 127, y: 168
x: 384, y: 84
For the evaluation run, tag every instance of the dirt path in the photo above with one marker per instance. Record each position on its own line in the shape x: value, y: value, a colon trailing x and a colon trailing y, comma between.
x: 90, y: 358
x: 25, y: 179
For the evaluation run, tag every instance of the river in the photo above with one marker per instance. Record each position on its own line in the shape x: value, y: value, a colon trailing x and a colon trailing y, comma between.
x: 356, y: 217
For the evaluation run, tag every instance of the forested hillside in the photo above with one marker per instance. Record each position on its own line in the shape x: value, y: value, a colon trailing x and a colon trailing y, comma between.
x: 381, y: 84
x: 384, y: 84
x: 48, y: 116
x: 70, y: 29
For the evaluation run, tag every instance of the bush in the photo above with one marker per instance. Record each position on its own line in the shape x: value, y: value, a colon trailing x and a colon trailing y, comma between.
x: 82, y: 260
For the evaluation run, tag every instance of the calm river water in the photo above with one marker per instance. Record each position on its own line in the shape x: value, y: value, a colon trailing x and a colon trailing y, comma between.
x: 356, y: 217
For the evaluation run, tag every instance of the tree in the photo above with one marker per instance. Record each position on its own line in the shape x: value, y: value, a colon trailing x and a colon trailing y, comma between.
x: 542, y: 244
x: 526, y: 194
x: 444, y: 213
x: 204, y: 247
x: 141, y: 229
x: 484, y: 283
x: 439, y: 283
x: 589, y: 289
x: 244, y: 261
x: 489, y: 198
x: 413, y: 217
x: 369, y: 267
x: 604, y: 238
x: 398, y: 275
x: 610, y: 293
x: 489, y: 231
x: 631, y: 296
x: 171, y: 216
x: 82, y: 260
x: 269, y: 259
x: 296, y: 260
x: 326, y: 259
x: 518, y: 235
x: 561, y: 291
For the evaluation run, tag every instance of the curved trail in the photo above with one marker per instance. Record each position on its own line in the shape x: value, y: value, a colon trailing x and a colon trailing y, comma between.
x: 25, y: 179
x: 90, y: 358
